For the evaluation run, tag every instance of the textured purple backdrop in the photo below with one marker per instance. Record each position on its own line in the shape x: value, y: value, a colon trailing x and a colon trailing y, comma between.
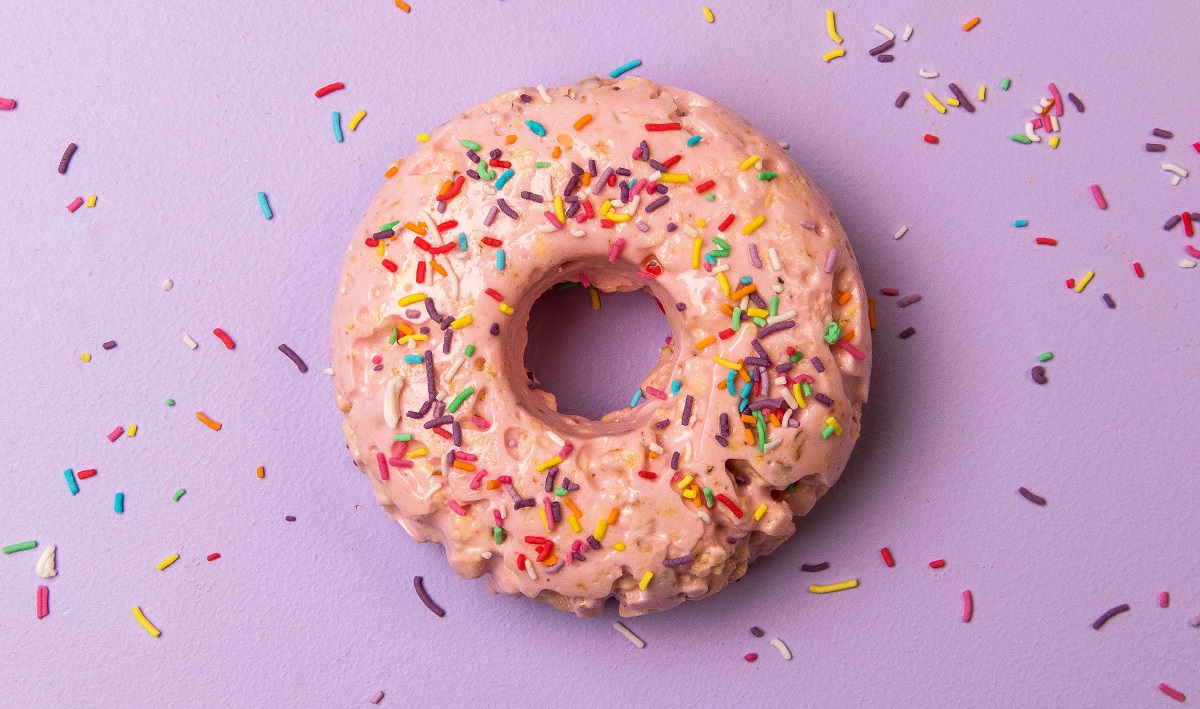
x: 183, y: 111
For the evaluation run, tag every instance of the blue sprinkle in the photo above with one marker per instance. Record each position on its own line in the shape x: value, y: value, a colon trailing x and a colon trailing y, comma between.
x: 729, y: 382
x: 693, y: 140
x: 266, y: 208
x: 637, y: 396
x: 119, y: 503
x: 624, y: 68
x: 537, y: 128
x: 504, y: 178
x: 414, y: 358
x: 710, y: 258
x: 675, y: 384
x: 337, y: 126
x: 1021, y: 223
x: 462, y: 241
x: 746, y: 280
x: 746, y: 390
x: 69, y: 474
x: 499, y: 259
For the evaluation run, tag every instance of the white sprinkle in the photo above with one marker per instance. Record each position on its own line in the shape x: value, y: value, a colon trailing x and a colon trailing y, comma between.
x: 927, y: 74
x: 1176, y: 180
x: 907, y: 34
x: 777, y: 288
x: 775, y: 264
x: 187, y: 340
x: 1046, y: 102
x: 785, y: 145
x: 529, y: 570
x: 486, y: 554
x: 578, y: 232
x: 620, y: 628
x: 1033, y: 137
x: 633, y: 205
x: 788, y: 416
x: 704, y: 516
x: 1053, y: 124
x: 391, y: 401
x: 720, y: 269
x: 46, y: 567
x: 329, y: 371
x: 458, y: 362
x: 559, y: 440
x: 655, y: 175
x: 885, y: 32
x: 791, y: 401
x: 772, y: 445
x: 781, y: 317
x: 658, y: 450
x: 783, y: 649
x: 1172, y: 167
x: 542, y: 92
x: 1187, y: 263
x: 429, y: 493
x: 902, y: 232
x: 167, y: 285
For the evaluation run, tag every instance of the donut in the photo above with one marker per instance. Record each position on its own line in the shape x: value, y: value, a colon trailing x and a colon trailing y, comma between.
x: 747, y: 419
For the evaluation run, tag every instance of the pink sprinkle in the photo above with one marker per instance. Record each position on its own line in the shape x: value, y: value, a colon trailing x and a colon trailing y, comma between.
x: 646, y: 274
x: 854, y: 352
x: 75, y: 204
x: 583, y: 279
x: 383, y: 467
x: 1191, y: 250
x: 655, y: 393
x: 469, y: 457
x: 549, y: 513
x: 401, y: 463
x: 456, y: 507
x: 7, y: 104
x: 43, y: 601
x: 751, y: 656
x: 616, y: 249
x: 482, y: 423
x: 637, y: 187
x: 566, y: 450
x: 576, y: 545
x: 1164, y: 599
x: 116, y: 433
x: 475, y: 481
x: 1099, y: 197
x: 830, y: 261
x: 1037, y: 123
x: 968, y: 607
x: 1058, y: 102
x: 505, y: 479
x: 553, y: 220
x: 637, y: 153
x: 498, y: 518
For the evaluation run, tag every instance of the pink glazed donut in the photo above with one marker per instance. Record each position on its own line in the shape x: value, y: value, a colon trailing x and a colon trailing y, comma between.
x: 748, y: 418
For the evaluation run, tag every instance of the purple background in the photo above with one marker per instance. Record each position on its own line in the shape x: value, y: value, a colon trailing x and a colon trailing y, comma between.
x: 184, y: 110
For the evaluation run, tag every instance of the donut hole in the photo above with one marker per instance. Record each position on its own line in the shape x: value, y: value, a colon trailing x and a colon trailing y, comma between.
x: 593, y: 361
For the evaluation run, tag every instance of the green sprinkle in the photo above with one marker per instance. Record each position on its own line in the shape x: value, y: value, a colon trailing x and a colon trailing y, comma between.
x: 541, y: 163
x: 470, y: 351
x: 403, y: 437
x: 804, y: 387
x: 1021, y: 138
x: 178, y: 494
x: 395, y: 334
x: 1005, y: 83
x: 21, y: 546
x: 721, y: 242
x: 774, y: 305
x: 1045, y: 356
x: 498, y: 535
x: 796, y: 357
x: 767, y: 175
x: 691, y: 142
x: 170, y: 402
x: 759, y: 321
x: 458, y: 400
x: 560, y: 491
x: 737, y: 319
x: 537, y: 128
x: 762, y: 431
x: 71, y: 484
x: 833, y: 333
x: 1021, y: 222
x: 389, y: 225
x: 470, y: 144
x: 119, y: 503
x: 485, y: 173
x: 710, y: 197
x: 827, y: 432
x: 708, y: 497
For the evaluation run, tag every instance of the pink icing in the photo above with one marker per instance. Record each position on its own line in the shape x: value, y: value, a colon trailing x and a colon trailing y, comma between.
x: 512, y: 430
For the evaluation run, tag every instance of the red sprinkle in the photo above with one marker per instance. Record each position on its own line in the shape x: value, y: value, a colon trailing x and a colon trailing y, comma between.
x: 224, y: 338
x: 647, y: 474
x: 663, y: 126
x: 7, y: 104
x: 422, y: 244
x: 1172, y: 693
x: 937, y: 563
x: 494, y: 162
x: 751, y: 656
x: 1137, y: 268
x: 737, y: 511
x: 449, y: 224
x: 1070, y: 283
x: 725, y: 224
x: 420, y: 272
x: 455, y: 188
x: 1187, y: 224
x: 531, y: 539
x: 1196, y: 145
x: 607, y: 223
x: 931, y: 139
x: 442, y: 432
x: 492, y: 241
x: 888, y: 291
x: 670, y: 162
x: 213, y: 556
x: 85, y: 474
x: 389, y: 265
x: 726, y: 333
x: 494, y: 294
x: 704, y: 186
x: 521, y: 562
x: 330, y: 88
x: 1046, y: 241
x: 887, y: 557
x: 75, y: 204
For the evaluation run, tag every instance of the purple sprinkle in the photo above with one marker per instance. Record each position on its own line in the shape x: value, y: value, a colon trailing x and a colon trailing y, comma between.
x: 495, y: 154
x: 450, y: 459
x: 512, y: 492
x: 109, y: 345
x: 817, y: 365
x: 660, y: 188
x: 592, y: 167
x: 509, y: 211
x: 757, y: 632
x: 571, y: 487
x: 756, y: 361
x: 385, y: 234
x: 439, y: 408
x: 446, y: 338
x: 645, y: 151
x: 754, y: 259
x: 909, y: 300
x: 769, y: 329
x: 1155, y: 147
x: 885, y: 58
x: 431, y: 308
x: 671, y: 227
x: 679, y: 561
x: 813, y: 568
x: 379, y: 368
x: 1172, y: 222
x: 829, y: 262
x: 522, y: 504
x: 526, y: 98
x: 439, y: 421
x: 657, y: 203
x: 1075, y: 100
x: 724, y: 424
x: 441, y: 207
x: 1108, y: 300
x: 491, y: 215
x: 766, y: 404
x: 572, y: 184
x: 642, y: 226
x: 762, y: 351
x: 456, y: 433
x: 793, y: 423
x: 962, y: 98
x: 722, y: 440
x: 624, y: 171
x: 658, y: 166
x: 783, y: 366
x: 757, y: 300
x: 424, y: 330
x: 472, y: 174
x: 681, y: 307
x: 591, y: 540
x: 907, y: 332
x: 572, y: 210
x: 823, y: 399
x: 687, y: 409
x: 531, y: 196
x: 556, y: 511
x: 550, y: 475
x: 601, y: 181
x: 430, y: 384
x: 473, y: 156
x: 1162, y: 133
x: 412, y: 313
x: 554, y: 569
x: 575, y: 169
x: 624, y: 191
x: 901, y: 99
x: 576, y: 555
x: 1039, y: 374
x: 662, y: 424
x: 675, y: 460
x: 880, y: 49
x: 495, y: 329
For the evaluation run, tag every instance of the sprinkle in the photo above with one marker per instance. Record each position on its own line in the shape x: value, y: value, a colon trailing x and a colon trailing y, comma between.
x: 968, y: 606
x: 907, y: 332
x: 1109, y: 615
x: 504, y: 178
x: 337, y: 126
x: 419, y: 585
x: 45, y: 567
x: 378, y: 696
x: 620, y: 628
x: 1108, y: 300
x: 43, y: 601
x: 627, y: 66
x: 909, y: 300
x: 89, y: 473
x: 204, y: 419
x: 75, y: 204
x: 187, y: 340
x: 287, y: 351
x: 901, y: 232
x: 937, y: 563
x: 73, y: 486
x: 887, y: 557
x: 831, y: 26
x: 708, y: 15
x: 1020, y: 138
x: 1087, y: 278
x: 932, y: 139
x: 933, y: 101
x: 754, y: 224
x: 264, y: 205
x: 141, y: 619
x: 1005, y: 83
x: 1099, y: 197
x: 834, y: 54
x: 660, y: 127
x: 583, y: 121
x: 330, y: 88
x: 1164, y: 599
x: 830, y: 588
x: 19, y: 546
x: 1034, y: 498
x: 831, y: 260
x: 65, y: 161
x: 1172, y: 167
x: 928, y: 75
x: 901, y: 99
x: 1162, y: 133
x: 178, y: 494
x: 645, y: 580
x: 224, y: 338
x: 750, y: 656
x: 7, y: 104
x: 458, y: 400
x: 162, y: 565
x: 1039, y: 374
x: 760, y: 512
x: 1171, y: 692
x: 813, y: 568
x: 537, y: 128
x: 357, y: 118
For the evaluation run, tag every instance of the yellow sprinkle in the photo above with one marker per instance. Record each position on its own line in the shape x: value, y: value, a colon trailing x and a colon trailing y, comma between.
x: 595, y: 298
x: 462, y: 322
x: 422, y: 137
x: 697, y: 245
x: 162, y: 565
x: 934, y: 102
x: 381, y: 249
x: 613, y: 515
x: 601, y: 530
x: 417, y: 453
x: 679, y: 177
x: 619, y: 546
x: 830, y: 56
x: 605, y: 206
x: 687, y: 480
x: 1054, y: 142
x: 831, y: 587
x: 757, y: 312
x: 982, y: 93
x: 558, y: 209
x: 754, y: 224
x: 260, y: 472
x: 1087, y: 277
x: 141, y: 618
x: 91, y: 200
x: 132, y: 430
x: 506, y: 308
x: 690, y: 494
x: 618, y: 217
x: 749, y: 162
x: 645, y: 580
x: 799, y: 395
x: 951, y: 101
x: 726, y: 363
x: 831, y: 27
x: 545, y: 522
x: 724, y: 283
x: 706, y: 342
x: 573, y: 522
x: 85, y: 357
x: 762, y: 510
x: 412, y: 298
x: 708, y: 16
x: 357, y: 117
x: 548, y: 464
x: 701, y: 223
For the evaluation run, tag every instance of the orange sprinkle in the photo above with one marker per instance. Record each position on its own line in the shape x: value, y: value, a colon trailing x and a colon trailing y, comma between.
x: 438, y: 267
x: 493, y: 484
x: 844, y: 298
x: 970, y: 23
x: 510, y: 139
x: 613, y: 515
x: 748, y: 419
x: 574, y: 509
x: 445, y: 187
x: 871, y: 311
x: 204, y: 419
x: 697, y: 498
x: 418, y: 228
x: 774, y: 419
x: 463, y: 465
x: 556, y: 152
x: 743, y: 292
x: 550, y: 560
x: 391, y: 171
x: 404, y: 327
x: 706, y: 342
x: 403, y: 5
x: 749, y: 436
x: 848, y: 335
x: 726, y: 308
x: 260, y: 472
x: 583, y: 121
x: 587, y: 179
x: 743, y: 373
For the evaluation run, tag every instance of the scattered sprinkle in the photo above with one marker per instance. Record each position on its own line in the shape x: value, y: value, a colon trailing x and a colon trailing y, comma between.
x: 19, y: 546
x: 329, y: 88
x: 204, y: 419
x: 145, y: 623
x: 419, y: 585
x: 1034, y: 498
x: 708, y: 15
x: 832, y: 587
x: 65, y: 161
x: 266, y: 207
x: 627, y: 66
x: 783, y: 649
x: 1109, y: 615
x: 968, y: 606
x: 970, y: 24
x: 1171, y: 692
x: 620, y: 628
x: 831, y: 26
x: 813, y: 568
x: 295, y: 360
